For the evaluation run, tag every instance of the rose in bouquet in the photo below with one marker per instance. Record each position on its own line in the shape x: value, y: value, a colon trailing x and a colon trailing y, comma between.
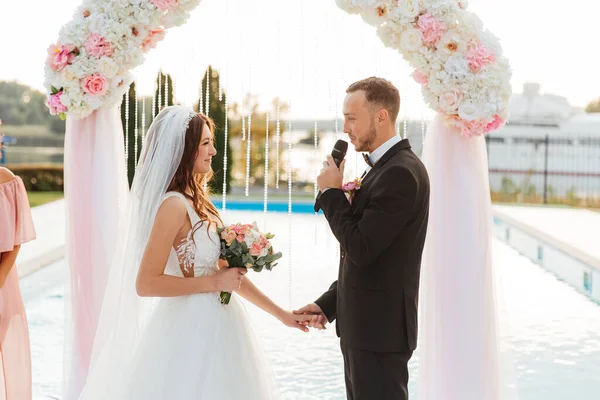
x: 245, y: 246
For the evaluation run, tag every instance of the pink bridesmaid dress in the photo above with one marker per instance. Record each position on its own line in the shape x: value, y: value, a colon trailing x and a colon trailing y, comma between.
x: 16, y: 227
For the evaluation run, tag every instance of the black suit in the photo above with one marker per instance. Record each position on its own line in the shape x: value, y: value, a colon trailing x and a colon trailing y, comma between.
x: 375, y: 297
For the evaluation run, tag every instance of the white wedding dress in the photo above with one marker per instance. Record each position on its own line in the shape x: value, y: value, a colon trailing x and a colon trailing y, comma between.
x: 193, y: 347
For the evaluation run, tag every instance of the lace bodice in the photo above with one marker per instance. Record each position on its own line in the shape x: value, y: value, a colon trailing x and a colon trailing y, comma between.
x: 199, y: 253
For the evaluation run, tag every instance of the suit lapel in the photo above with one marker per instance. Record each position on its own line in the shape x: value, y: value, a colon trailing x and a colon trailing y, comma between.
x: 401, y: 145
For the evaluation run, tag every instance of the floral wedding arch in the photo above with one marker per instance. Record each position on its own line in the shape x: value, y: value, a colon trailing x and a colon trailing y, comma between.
x: 460, y: 66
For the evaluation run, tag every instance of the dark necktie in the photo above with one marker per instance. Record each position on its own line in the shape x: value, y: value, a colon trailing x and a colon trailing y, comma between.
x: 367, y: 160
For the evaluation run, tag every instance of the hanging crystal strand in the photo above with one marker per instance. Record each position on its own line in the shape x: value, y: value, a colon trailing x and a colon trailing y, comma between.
x: 316, y: 142
x: 159, y: 90
x: 127, y: 131
x: 153, y: 103
x: 207, y: 92
x: 277, y: 144
x: 201, y: 99
x: 248, y: 155
x: 266, y: 169
x: 166, y: 93
x: 135, y: 129
x: 220, y: 87
x: 224, y: 206
x: 243, y: 112
x: 143, y: 121
x: 289, y: 177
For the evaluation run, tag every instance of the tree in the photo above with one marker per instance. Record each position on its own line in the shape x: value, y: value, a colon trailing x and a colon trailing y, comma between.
x: 593, y: 106
x: 216, y: 111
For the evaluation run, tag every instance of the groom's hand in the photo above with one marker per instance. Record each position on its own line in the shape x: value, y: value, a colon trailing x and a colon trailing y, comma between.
x: 331, y: 176
x: 318, y: 319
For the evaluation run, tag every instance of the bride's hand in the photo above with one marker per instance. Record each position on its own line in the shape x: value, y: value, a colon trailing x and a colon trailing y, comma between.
x: 229, y: 279
x: 292, y: 320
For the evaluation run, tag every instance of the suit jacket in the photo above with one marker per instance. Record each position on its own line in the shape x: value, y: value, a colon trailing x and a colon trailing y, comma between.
x: 381, y: 236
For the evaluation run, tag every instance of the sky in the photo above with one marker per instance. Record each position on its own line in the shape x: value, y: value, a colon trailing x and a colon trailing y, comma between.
x: 309, y: 51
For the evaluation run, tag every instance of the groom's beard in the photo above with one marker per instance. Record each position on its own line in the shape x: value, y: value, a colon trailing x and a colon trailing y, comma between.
x: 366, y: 143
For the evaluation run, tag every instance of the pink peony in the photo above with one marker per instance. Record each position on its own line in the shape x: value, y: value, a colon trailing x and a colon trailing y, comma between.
x: 432, y: 29
x: 97, y: 46
x: 479, y: 56
x: 61, y: 56
x: 494, y: 125
x: 166, y: 5
x: 420, y: 78
x: 55, y: 105
x: 95, y: 85
x: 155, y: 36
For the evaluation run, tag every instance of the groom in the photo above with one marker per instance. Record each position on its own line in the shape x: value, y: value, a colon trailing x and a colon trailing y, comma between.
x: 381, y: 234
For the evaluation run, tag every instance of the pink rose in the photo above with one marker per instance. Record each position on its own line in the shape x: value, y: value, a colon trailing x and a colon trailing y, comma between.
x: 240, y: 238
x: 61, y: 56
x: 479, y: 56
x: 166, y: 5
x: 230, y: 237
x: 95, y: 85
x: 432, y: 29
x: 420, y: 78
x: 450, y: 100
x: 473, y: 128
x: 55, y: 105
x: 255, y: 249
x: 97, y: 46
x: 494, y: 125
x: 155, y: 36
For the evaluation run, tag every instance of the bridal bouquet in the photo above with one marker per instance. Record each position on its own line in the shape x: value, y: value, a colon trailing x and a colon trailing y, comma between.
x: 460, y: 65
x: 243, y: 245
x: 90, y: 64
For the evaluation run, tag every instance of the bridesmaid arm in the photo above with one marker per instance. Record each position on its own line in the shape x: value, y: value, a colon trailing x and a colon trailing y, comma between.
x: 7, y: 261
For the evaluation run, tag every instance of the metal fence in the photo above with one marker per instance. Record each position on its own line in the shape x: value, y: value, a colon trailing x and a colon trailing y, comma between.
x: 546, y: 169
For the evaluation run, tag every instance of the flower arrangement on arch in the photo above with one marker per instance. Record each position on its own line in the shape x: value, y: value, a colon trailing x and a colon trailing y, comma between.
x: 89, y: 66
x: 459, y: 65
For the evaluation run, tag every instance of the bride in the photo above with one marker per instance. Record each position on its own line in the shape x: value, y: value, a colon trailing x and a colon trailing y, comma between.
x: 163, y: 333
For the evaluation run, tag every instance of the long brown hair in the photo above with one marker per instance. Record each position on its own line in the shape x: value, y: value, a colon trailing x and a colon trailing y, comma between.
x: 188, y: 183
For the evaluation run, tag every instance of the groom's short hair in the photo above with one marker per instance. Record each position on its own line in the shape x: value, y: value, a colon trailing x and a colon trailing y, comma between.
x: 379, y: 92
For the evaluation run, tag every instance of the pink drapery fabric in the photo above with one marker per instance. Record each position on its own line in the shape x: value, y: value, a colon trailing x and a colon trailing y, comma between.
x: 95, y: 195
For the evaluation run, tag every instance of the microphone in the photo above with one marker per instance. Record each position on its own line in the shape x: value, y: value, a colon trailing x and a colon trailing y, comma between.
x: 338, y: 153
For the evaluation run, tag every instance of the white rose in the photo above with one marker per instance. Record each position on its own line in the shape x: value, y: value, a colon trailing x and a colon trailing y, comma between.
x: 450, y: 44
x: 93, y: 102
x: 135, y: 2
x: 376, y: 15
x: 107, y: 67
x: 450, y: 100
x: 408, y: 8
x: 69, y: 75
x: 457, y: 67
x: 411, y: 40
x: 389, y: 35
x: 469, y: 111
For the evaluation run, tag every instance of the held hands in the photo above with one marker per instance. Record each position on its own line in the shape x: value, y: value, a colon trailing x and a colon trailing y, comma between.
x: 317, y: 319
x: 331, y: 176
x: 229, y: 279
x: 294, y: 320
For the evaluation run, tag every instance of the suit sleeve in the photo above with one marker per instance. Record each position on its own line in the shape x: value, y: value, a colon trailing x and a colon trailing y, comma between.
x: 328, y: 302
x: 390, y: 206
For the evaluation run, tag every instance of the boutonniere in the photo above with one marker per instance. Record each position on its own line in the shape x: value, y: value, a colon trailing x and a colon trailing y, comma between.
x: 350, y: 188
